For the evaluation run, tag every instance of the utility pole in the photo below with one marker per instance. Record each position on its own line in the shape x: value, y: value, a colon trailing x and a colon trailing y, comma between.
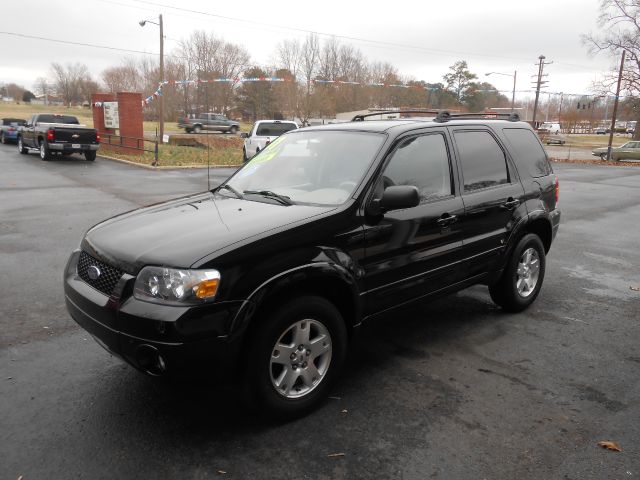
x: 539, y: 84
x: 560, y: 110
x: 615, y: 107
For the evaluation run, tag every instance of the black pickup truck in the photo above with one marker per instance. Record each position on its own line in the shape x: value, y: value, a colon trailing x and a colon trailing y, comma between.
x: 57, y: 134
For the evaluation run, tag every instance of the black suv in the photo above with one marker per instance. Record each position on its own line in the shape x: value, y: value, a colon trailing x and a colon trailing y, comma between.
x: 327, y: 227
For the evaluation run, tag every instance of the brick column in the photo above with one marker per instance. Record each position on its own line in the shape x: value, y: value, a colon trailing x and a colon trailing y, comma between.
x: 130, y: 117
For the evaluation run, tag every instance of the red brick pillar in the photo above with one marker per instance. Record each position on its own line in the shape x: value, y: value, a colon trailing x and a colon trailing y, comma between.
x: 130, y: 117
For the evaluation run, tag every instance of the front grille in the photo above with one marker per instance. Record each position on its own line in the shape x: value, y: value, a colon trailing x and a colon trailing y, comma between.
x: 108, y: 278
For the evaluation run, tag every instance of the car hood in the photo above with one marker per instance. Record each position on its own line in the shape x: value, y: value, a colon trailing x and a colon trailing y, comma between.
x: 179, y: 232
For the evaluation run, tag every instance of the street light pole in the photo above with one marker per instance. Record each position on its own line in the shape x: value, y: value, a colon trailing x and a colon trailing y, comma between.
x: 161, y: 78
x: 513, y: 95
x: 161, y: 105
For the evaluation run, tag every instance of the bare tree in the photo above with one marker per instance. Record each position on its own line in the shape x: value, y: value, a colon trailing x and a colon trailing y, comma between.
x: 620, y: 23
x: 123, y: 78
x: 71, y: 81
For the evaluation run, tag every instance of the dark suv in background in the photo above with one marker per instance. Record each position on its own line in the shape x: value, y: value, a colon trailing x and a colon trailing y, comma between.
x: 269, y: 274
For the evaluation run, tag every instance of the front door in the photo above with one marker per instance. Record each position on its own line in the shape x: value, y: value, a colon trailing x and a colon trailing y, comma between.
x: 412, y: 252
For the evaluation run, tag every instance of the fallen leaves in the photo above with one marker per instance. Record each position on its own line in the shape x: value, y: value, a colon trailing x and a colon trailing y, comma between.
x: 610, y: 446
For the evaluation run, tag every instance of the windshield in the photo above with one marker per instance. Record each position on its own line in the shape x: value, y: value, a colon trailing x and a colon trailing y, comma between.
x: 274, y: 129
x: 311, y: 167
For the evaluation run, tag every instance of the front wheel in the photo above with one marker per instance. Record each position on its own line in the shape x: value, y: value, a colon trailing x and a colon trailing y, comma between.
x: 245, y: 159
x: 90, y: 155
x: 294, y: 357
x: 603, y: 156
x: 197, y: 129
x: 2, y: 139
x: 21, y: 148
x: 522, y: 278
x: 233, y: 130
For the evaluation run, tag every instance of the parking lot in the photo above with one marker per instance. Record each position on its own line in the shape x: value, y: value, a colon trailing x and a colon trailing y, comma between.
x: 454, y: 389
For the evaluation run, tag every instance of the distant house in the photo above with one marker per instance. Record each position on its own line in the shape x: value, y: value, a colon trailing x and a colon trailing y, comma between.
x: 8, y: 99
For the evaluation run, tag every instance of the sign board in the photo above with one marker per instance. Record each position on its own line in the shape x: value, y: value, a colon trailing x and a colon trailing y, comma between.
x: 111, y: 119
x: 165, y: 138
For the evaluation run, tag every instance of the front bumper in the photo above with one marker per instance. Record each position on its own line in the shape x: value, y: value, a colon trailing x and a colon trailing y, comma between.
x: 68, y: 147
x: 185, y: 338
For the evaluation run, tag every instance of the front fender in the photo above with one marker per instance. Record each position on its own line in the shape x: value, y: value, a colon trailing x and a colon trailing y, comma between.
x: 332, y: 274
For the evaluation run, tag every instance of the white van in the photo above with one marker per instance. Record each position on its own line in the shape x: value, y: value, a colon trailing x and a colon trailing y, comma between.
x: 548, y: 127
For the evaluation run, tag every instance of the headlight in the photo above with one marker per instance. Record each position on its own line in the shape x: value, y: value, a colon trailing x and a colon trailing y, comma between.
x: 176, y: 287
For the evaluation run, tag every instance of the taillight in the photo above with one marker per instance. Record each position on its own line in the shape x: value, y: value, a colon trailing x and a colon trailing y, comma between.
x: 50, y: 135
x: 557, y: 189
x: 11, y: 129
x: 97, y: 137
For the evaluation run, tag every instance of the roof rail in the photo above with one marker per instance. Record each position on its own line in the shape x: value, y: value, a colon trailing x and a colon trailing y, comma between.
x: 444, y: 115
x: 362, y: 116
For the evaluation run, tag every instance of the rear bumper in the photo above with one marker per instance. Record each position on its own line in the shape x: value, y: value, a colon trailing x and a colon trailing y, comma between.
x: 185, y: 338
x: 67, y: 147
x: 554, y: 216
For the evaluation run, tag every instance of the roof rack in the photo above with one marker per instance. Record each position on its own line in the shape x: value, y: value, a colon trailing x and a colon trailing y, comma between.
x: 362, y: 116
x: 442, y: 116
x: 446, y: 116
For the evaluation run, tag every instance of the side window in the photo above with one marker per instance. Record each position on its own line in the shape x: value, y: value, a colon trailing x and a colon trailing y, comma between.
x: 528, y: 151
x: 483, y: 162
x: 422, y: 162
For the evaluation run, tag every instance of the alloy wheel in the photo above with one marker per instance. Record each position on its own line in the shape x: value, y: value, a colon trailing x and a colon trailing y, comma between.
x: 300, y: 358
x: 528, y: 272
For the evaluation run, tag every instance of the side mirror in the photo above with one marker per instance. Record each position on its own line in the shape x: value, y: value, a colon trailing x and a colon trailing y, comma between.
x: 244, y: 135
x: 398, y: 197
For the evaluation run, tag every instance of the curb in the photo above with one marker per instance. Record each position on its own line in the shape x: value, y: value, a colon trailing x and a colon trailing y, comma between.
x: 163, y: 167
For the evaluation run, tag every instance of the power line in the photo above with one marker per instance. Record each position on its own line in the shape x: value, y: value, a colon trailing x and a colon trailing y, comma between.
x: 345, y: 37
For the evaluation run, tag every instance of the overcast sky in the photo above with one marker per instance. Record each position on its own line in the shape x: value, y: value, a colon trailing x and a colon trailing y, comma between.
x: 428, y: 35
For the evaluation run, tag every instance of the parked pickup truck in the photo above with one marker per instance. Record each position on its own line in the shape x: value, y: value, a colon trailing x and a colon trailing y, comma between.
x: 57, y: 134
x: 208, y: 121
x: 262, y: 133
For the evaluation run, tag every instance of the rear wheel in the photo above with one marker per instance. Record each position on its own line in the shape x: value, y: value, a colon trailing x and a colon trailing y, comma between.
x: 197, y: 129
x: 21, y: 148
x: 90, y: 155
x: 233, y: 130
x: 294, y: 357
x: 522, y: 278
x: 603, y: 156
x: 44, y: 151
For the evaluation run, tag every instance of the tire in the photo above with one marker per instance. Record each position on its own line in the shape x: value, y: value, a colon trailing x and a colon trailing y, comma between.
x: 188, y: 130
x: 522, y: 278
x: 44, y: 152
x: 21, y: 148
x: 197, y: 129
x: 294, y: 357
x: 2, y: 139
x: 603, y: 156
x: 90, y: 155
x: 233, y: 130
x: 245, y: 159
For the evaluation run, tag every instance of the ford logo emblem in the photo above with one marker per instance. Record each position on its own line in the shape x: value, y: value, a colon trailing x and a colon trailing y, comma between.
x: 93, y: 272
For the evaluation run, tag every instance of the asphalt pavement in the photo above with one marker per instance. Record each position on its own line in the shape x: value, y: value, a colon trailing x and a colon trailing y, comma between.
x: 454, y: 389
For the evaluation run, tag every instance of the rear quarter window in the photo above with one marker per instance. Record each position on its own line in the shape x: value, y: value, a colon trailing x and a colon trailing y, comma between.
x: 527, y: 151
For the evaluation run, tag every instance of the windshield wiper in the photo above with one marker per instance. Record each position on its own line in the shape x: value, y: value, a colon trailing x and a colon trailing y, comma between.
x: 269, y: 194
x: 226, y: 186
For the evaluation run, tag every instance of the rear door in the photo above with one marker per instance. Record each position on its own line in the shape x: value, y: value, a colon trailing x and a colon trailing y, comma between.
x: 413, y: 252
x: 491, y: 192
x: 28, y: 132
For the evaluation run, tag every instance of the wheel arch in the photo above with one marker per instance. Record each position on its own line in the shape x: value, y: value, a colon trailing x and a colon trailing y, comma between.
x: 330, y: 281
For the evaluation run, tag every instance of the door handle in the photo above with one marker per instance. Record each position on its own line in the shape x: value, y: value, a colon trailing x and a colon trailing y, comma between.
x: 446, y: 220
x: 511, y: 203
